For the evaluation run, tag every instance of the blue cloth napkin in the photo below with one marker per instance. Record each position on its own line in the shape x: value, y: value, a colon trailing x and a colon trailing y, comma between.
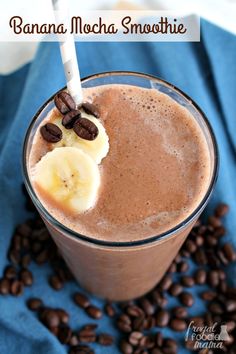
x: 206, y: 71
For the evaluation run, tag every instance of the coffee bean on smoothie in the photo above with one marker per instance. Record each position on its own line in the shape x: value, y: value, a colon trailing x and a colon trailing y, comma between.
x: 64, y: 102
x: 70, y: 118
x: 51, y: 133
x: 85, y: 129
x: 90, y: 108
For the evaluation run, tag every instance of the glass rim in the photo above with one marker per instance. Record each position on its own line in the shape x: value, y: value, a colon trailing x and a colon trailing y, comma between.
x: 147, y: 240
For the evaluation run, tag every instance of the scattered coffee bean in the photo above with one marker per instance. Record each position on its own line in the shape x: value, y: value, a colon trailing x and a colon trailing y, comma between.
x: 186, y: 299
x: 64, y: 102
x: 63, y: 316
x: 81, y: 300
x: 85, y: 129
x: 208, y: 295
x: 229, y: 252
x: 177, y: 324
x: 175, y: 289
x: 64, y: 334
x: 87, y: 336
x: 180, y: 312
x: 109, y: 310
x: 94, y: 312
x: 166, y: 282
x: 26, y: 277
x: 10, y: 273
x: 5, y: 286
x: 182, y: 267
x: 147, y: 306
x: 81, y: 349
x: 162, y: 318
x: 187, y: 281
x: 125, y: 347
x: 90, y: 108
x: 134, y: 311
x: 200, y: 276
x: 50, y: 318
x: 34, y: 304
x: 124, y: 323
x: 55, y: 282
x: 230, y: 305
x: 51, y: 133
x: 70, y: 118
x: 213, y: 278
x: 221, y: 210
x: 105, y: 339
x: 17, y: 288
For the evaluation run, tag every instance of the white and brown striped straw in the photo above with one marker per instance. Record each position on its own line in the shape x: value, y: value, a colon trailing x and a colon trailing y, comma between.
x: 68, y: 53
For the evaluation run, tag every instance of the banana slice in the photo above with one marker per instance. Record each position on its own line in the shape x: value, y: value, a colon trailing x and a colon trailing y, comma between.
x: 70, y: 177
x: 97, y: 149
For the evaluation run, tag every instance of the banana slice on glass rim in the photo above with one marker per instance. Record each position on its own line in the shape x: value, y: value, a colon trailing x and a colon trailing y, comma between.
x: 70, y: 177
x: 97, y: 148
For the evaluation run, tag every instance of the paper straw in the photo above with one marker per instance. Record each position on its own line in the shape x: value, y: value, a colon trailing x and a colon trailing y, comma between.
x: 68, y: 53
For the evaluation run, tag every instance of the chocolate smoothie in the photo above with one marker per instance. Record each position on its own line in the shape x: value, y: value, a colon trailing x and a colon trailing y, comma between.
x: 155, y: 172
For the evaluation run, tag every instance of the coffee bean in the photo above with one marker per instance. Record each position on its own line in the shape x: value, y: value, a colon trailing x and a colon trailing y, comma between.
x: 50, y: 318
x: 64, y: 102
x: 10, y: 273
x: 230, y: 305
x: 221, y: 210
x: 165, y: 282
x: 55, y: 282
x: 85, y: 129
x: 162, y: 318
x: 156, y: 351
x: 231, y: 325
x: 51, y: 133
x: 70, y: 118
x: 81, y: 300
x: 124, y: 323
x: 42, y: 257
x: 229, y: 252
x: 213, y: 278
x: 14, y: 257
x: 135, y: 337
x: 200, y: 276
x: 186, y: 299
x: 94, y: 312
x: 25, y: 260
x: 87, y: 336
x: 208, y: 295
x: 105, y: 339
x: 200, y: 257
x: 26, y: 277
x: 63, y: 316
x: 91, y: 326
x: 134, y: 311
x: 34, y: 304
x: 175, y: 289
x: 24, y: 230
x: 177, y: 324
x: 109, y: 310
x: 90, y: 108
x: 5, y: 286
x: 190, y: 246
x: 199, y: 240
x: 125, y: 347
x: 139, y: 323
x: 215, y: 308
x: 170, y: 343
x: 74, y: 340
x: 172, y: 268
x: 159, y: 339
x: 214, y: 221
x: 148, y: 322
x: 81, y: 349
x: 64, y: 334
x: 198, y: 321
x: 180, y: 312
x: 182, y: 267
x: 147, y: 306
x: 187, y: 281
x: 158, y: 298
x: 17, y: 288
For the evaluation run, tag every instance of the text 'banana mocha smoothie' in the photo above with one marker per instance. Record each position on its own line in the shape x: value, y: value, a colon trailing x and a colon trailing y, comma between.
x: 128, y: 164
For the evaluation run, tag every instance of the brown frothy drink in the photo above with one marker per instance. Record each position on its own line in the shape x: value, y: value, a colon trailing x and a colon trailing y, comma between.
x: 155, y: 175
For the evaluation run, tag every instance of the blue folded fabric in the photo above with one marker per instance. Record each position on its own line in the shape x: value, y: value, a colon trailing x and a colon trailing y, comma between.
x: 206, y: 71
